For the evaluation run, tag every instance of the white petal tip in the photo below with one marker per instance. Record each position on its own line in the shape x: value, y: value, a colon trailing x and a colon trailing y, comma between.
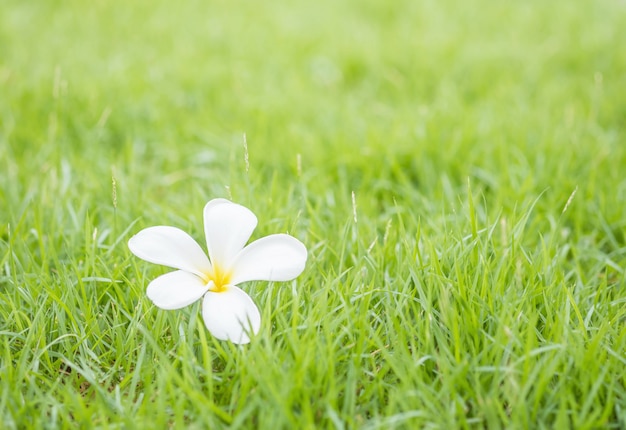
x: 278, y: 257
x: 231, y: 315
x: 175, y: 290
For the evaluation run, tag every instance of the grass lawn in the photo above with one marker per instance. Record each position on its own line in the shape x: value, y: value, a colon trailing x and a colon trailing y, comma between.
x: 457, y: 171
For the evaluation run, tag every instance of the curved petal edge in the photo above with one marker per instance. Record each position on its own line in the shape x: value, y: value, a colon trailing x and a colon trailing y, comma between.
x: 231, y: 315
x: 171, y: 247
x: 278, y: 257
x: 176, y: 290
x: 227, y: 226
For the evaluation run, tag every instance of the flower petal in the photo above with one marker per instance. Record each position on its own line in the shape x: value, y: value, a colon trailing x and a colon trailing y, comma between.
x: 172, y: 247
x: 231, y: 315
x: 278, y: 257
x: 228, y: 227
x: 176, y: 290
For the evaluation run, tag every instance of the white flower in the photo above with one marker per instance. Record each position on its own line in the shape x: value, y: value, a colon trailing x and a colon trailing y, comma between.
x: 228, y: 312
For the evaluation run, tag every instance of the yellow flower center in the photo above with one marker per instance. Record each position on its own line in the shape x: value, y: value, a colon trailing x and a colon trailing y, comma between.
x: 220, y: 279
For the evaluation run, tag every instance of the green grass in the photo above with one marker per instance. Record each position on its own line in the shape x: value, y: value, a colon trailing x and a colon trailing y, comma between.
x: 456, y: 170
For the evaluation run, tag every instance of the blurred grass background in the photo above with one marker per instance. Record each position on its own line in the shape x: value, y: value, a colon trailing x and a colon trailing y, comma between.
x: 462, y: 128
x: 430, y: 89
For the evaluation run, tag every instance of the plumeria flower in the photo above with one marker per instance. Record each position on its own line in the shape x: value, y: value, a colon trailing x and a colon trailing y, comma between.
x: 228, y: 312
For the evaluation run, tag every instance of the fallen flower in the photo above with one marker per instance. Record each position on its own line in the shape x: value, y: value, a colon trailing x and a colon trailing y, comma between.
x: 228, y: 312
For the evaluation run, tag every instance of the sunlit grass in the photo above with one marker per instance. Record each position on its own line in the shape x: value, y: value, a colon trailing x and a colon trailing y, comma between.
x: 455, y: 170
